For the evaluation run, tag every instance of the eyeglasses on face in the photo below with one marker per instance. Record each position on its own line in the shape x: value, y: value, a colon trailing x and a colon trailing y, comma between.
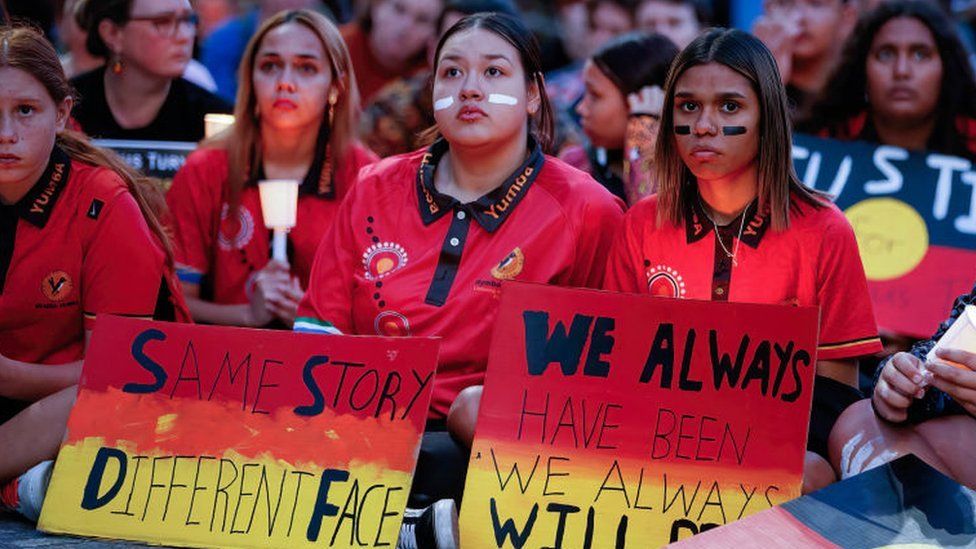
x: 167, y: 24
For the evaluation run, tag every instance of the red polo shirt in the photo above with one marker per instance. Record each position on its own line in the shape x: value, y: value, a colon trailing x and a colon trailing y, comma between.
x: 814, y: 262
x: 404, y: 259
x: 228, y: 250
x: 76, y: 246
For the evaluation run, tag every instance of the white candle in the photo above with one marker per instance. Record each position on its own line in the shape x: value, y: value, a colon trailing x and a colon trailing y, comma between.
x: 279, y: 206
x: 214, y: 123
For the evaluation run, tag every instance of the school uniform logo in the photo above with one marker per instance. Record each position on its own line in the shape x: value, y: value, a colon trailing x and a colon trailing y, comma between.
x: 235, y: 233
x: 383, y: 259
x: 510, y: 267
x: 663, y: 281
x: 57, y: 286
x: 391, y: 324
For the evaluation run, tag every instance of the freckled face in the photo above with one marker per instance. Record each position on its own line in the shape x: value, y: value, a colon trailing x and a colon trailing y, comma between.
x: 29, y: 122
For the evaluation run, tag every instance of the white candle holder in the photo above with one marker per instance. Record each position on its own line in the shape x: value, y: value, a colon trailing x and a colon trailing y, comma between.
x: 215, y: 123
x: 279, y: 207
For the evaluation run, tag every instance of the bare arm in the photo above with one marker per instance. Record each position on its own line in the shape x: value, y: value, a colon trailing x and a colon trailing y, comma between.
x: 31, y: 382
x: 844, y: 371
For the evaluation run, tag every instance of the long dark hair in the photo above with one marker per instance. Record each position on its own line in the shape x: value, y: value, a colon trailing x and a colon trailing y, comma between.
x: 514, y: 32
x: 748, y: 56
x: 634, y: 60
x: 844, y: 96
x: 92, y: 13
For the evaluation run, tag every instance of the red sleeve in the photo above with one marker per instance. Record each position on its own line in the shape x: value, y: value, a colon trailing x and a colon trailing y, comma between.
x: 194, y: 201
x: 847, y: 325
x: 123, y: 266
x: 624, y: 272
x: 327, y: 305
x: 601, y: 220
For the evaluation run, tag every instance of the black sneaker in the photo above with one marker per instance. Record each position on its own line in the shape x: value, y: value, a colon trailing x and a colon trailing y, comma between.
x: 433, y: 527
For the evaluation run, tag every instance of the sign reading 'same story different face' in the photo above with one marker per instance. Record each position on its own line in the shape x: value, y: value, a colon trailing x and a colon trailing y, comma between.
x: 211, y: 436
x: 915, y: 220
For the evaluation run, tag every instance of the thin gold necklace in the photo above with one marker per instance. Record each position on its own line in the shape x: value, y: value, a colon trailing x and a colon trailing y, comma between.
x: 742, y: 225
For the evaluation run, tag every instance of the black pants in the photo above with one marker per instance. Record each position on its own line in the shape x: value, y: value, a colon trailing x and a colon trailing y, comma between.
x: 441, y: 468
x: 830, y: 399
x: 9, y: 408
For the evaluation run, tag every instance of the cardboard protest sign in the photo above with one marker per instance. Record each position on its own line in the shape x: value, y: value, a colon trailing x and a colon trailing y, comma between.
x: 210, y: 436
x: 160, y: 159
x: 621, y: 421
x: 904, y: 504
x: 915, y: 219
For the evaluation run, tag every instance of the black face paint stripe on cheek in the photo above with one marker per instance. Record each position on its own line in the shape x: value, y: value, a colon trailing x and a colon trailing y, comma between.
x: 682, y: 130
x: 733, y: 130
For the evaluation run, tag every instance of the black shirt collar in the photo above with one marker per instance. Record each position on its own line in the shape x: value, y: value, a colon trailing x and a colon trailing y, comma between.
x: 492, y: 209
x: 36, y: 206
x: 319, y: 180
x: 698, y: 225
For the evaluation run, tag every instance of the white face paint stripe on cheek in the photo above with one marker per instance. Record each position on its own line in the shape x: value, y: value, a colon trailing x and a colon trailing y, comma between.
x: 443, y: 103
x: 502, y: 99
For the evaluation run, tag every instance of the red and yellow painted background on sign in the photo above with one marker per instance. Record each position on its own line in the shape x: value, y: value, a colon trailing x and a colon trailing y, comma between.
x: 217, y: 455
x: 672, y: 460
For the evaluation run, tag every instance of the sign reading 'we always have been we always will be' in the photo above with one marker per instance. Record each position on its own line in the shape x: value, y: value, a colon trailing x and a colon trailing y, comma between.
x: 618, y: 421
x: 209, y: 436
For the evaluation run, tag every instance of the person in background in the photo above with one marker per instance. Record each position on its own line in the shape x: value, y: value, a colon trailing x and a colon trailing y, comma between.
x: 78, y: 60
x: 723, y: 162
x: 904, y: 80
x: 296, y: 116
x: 396, y: 120
x: 424, y: 242
x: 223, y: 49
x: 139, y: 93
x: 606, y: 19
x: 806, y: 37
x: 679, y: 20
x: 919, y: 407
x: 213, y: 14
x: 80, y: 237
x: 621, y: 106
x: 391, y: 41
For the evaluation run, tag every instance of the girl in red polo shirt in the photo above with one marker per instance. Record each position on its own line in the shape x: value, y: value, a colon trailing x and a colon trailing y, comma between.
x: 296, y: 114
x: 425, y: 240
x: 731, y: 222
x: 78, y: 238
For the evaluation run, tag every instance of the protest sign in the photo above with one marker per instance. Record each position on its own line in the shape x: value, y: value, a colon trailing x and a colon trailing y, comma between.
x: 211, y: 436
x: 903, y: 504
x: 915, y: 219
x: 622, y: 421
x: 160, y: 159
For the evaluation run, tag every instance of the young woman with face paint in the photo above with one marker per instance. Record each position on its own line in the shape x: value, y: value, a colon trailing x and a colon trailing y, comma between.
x: 295, y: 119
x: 79, y: 238
x: 731, y: 222
x: 425, y: 241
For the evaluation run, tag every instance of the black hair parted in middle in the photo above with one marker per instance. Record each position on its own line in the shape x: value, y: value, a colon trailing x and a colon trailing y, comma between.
x: 515, y: 33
